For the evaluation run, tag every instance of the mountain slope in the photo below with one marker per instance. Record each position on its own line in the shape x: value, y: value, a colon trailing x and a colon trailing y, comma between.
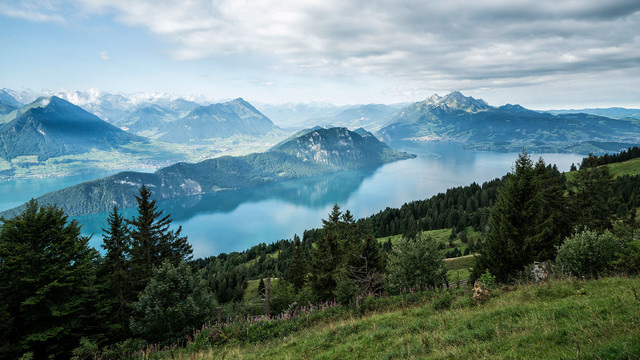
x: 236, y: 117
x: 52, y: 127
x: 612, y: 112
x: 475, y: 123
x: 149, y: 121
x: 320, y: 152
x: 8, y: 103
x: 371, y: 116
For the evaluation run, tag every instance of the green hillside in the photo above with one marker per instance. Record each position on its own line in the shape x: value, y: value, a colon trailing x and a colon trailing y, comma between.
x: 594, y: 319
x: 629, y: 167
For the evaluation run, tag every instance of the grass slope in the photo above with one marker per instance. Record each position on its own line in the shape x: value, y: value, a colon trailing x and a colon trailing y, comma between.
x: 594, y: 319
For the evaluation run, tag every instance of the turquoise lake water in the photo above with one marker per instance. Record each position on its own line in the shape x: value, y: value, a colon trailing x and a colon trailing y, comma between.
x: 236, y: 220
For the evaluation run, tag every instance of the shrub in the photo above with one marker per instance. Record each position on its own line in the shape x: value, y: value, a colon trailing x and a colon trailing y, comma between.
x: 586, y: 253
x: 442, y: 301
x: 174, y: 302
x: 487, y: 279
x: 416, y: 263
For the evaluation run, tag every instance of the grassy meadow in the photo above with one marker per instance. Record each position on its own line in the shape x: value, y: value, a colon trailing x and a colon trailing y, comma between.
x: 567, y: 319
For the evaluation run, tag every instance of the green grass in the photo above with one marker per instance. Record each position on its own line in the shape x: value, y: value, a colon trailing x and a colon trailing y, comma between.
x: 459, y: 268
x: 630, y: 167
x: 594, y: 319
x: 251, y: 292
x: 441, y: 235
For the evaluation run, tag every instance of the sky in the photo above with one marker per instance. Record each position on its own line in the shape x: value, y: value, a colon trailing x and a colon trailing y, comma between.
x: 542, y: 54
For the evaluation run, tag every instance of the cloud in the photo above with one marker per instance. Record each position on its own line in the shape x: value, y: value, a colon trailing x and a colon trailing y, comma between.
x: 455, y: 44
x: 30, y: 11
x: 457, y: 40
x: 104, y: 56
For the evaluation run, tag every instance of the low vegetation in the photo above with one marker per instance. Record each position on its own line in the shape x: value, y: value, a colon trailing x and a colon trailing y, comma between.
x: 564, y: 319
x: 340, y: 292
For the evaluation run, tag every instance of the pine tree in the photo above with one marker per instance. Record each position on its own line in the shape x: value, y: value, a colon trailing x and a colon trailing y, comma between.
x: 557, y: 219
x: 514, y: 224
x: 348, y: 235
x: 326, y: 257
x: 47, y: 283
x: 367, y: 266
x: 592, y: 196
x: 115, y: 274
x: 298, y: 268
x: 152, y: 242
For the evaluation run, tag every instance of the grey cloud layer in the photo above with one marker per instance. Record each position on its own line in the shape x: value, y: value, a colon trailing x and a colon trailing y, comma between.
x: 448, y: 42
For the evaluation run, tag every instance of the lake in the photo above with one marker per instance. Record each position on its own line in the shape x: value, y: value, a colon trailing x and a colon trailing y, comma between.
x: 236, y: 220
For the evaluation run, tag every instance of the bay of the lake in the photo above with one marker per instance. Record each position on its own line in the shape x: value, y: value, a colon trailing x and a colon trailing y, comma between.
x: 236, y: 220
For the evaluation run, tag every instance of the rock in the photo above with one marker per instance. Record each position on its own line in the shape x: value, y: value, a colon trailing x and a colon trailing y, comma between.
x: 480, y: 294
x: 540, y: 272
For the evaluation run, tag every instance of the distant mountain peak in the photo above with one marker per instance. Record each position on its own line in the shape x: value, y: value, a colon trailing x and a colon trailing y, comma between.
x: 457, y: 101
x: 514, y: 108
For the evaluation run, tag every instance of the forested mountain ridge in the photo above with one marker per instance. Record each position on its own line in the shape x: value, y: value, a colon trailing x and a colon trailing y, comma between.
x: 51, y: 127
x: 319, y: 152
x: 473, y: 122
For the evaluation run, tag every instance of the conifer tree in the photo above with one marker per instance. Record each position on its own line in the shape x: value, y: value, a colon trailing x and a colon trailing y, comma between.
x: 261, y: 288
x: 326, y: 257
x: 557, y: 219
x: 514, y: 224
x: 592, y: 195
x: 366, y: 266
x: 47, y: 283
x: 115, y: 273
x: 298, y: 268
x: 152, y: 241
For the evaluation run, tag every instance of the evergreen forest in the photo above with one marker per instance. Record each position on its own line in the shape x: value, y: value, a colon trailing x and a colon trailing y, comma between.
x: 60, y: 298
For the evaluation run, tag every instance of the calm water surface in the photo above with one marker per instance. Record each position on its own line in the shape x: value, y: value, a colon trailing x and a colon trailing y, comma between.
x: 236, y: 220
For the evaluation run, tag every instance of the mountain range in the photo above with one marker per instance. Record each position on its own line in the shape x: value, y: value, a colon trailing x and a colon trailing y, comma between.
x: 51, y: 127
x: 223, y: 120
x: 478, y: 125
x: 318, y: 152
x: 8, y: 103
x: 372, y: 117
x: 612, y: 112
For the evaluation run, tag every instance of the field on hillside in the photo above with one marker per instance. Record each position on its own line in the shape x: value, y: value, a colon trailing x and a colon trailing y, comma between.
x: 572, y: 319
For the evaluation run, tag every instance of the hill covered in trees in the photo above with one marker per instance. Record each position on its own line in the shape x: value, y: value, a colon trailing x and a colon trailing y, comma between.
x: 476, y: 124
x: 319, y: 152
x: 146, y: 296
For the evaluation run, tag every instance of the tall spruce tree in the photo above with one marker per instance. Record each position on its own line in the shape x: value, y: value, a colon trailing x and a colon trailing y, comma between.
x: 515, y: 224
x: 297, y: 270
x: 326, y: 257
x: 115, y: 274
x: 152, y: 241
x: 592, y: 195
x: 366, y: 266
x: 557, y: 219
x: 47, y: 283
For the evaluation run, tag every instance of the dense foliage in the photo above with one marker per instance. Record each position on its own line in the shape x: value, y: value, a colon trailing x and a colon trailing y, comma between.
x: 587, y: 253
x: 59, y: 297
x: 415, y: 263
x: 48, y: 288
x: 174, y: 302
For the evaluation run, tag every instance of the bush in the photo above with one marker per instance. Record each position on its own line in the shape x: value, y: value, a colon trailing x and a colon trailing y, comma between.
x: 442, y: 301
x: 174, y: 302
x: 416, y: 263
x: 586, y: 254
